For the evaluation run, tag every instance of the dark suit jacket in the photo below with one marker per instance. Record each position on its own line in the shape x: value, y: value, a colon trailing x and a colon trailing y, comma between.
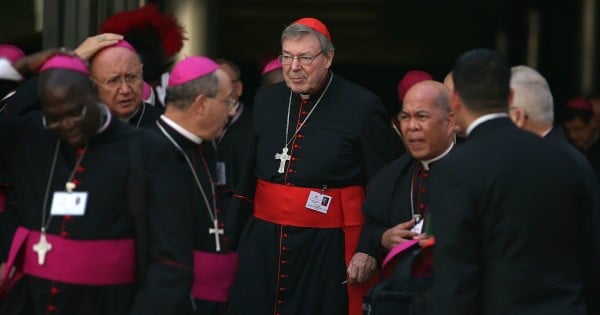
x: 510, y: 215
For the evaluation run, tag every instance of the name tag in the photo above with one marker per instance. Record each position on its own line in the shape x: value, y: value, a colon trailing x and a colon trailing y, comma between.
x: 221, y: 179
x: 69, y: 203
x: 418, y: 228
x: 318, y: 202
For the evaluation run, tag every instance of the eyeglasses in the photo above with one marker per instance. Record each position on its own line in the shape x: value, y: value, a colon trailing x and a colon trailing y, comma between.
x: 130, y: 79
x: 71, y: 119
x: 302, y: 60
x: 230, y: 102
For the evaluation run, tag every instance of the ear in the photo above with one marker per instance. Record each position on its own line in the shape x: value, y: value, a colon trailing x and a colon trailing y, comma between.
x: 518, y: 116
x: 455, y: 102
x: 451, y: 119
x: 329, y: 57
x: 199, y: 105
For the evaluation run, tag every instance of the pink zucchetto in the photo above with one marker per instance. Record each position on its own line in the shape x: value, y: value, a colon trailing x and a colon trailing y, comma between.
x: 315, y: 25
x: 580, y: 103
x: 272, y: 65
x: 191, y: 68
x: 409, y: 79
x: 11, y: 52
x: 65, y: 62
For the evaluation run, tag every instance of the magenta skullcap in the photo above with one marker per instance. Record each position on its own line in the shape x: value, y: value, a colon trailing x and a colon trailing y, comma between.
x: 11, y: 52
x: 67, y: 62
x: 191, y: 68
x: 580, y: 103
x: 409, y: 79
x: 272, y: 65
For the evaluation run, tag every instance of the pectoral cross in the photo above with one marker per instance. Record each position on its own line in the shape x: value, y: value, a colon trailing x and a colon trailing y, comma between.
x: 42, y: 248
x: 216, y: 231
x: 282, y: 157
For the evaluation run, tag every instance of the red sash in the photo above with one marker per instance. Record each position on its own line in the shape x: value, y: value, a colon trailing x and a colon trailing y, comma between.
x: 213, y: 275
x: 285, y: 205
x: 94, y: 263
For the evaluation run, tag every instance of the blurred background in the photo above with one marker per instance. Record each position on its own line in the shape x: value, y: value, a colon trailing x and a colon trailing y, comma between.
x: 376, y: 41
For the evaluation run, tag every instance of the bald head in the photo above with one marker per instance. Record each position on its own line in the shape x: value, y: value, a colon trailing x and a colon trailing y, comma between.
x: 432, y: 92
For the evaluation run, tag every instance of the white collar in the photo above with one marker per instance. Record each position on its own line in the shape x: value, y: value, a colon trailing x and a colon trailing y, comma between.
x: 426, y: 163
x: 8, y: 72
x: 483, y: 119
x: 545, y: 133
x: 184, y: 132
x: 104, y: 112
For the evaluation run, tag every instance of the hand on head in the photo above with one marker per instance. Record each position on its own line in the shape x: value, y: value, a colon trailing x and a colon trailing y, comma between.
x: 93, y: 44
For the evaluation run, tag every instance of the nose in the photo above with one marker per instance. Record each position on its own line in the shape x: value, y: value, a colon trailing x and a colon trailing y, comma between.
x: 296, y: 64
x: 124, y: 87
x: 413, y: 124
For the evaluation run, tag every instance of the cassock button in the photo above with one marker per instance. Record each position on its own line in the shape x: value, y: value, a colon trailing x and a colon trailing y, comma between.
x: 296, y: 146
x: 282, y: 289
x: 286, y: 235
x: 51, y: 308
x: 64, y: 234
x: 79, y: 151
x: 76, y: 181
x: 221, y: 224
x: 280, y: 301
x: 54, y: 290
x: 423, y: 190
x: 421, y: 206
x: 294, y: 158
x: 425, y: 175
x: 283, y: 276
x: 284, y: 262
x: 80, y: 169
x: 300, y: 135
x: 304, y: 112
x: 68, y: 217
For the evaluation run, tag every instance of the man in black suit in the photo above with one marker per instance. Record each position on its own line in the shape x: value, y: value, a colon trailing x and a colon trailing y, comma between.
x: 511, y: 215
x: 532, y: 109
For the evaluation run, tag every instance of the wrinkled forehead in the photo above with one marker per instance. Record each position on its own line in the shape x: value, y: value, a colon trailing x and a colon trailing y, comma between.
x: 115, y: 59
x: 302, y: 44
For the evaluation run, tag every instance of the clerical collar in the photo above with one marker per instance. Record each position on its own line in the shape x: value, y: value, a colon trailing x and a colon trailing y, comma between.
x: 319, y: 89
x: 483, y: 119
x: 428, y: 162
x: 184, y: 132
x: 105, y: 117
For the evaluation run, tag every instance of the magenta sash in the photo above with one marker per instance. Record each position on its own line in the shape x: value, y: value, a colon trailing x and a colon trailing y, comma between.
x: 213, y: 275
x: 81, y: 262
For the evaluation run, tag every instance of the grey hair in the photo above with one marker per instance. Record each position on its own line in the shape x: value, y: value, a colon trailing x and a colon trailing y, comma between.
x: 532, y: 94
x: 182, y: 96
x: 299, y: 31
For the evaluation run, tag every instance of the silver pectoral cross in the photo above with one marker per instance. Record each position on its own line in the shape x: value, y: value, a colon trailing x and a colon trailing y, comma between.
x: 216, y: 231
x: 42, y: 247
x: 282, y: 157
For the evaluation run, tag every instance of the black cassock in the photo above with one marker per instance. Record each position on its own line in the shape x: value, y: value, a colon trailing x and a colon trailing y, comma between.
x: 201, y: 157
x: 347, y: 139
x: 105, y: 173
x: 231, y: 153
x: 389, y: 202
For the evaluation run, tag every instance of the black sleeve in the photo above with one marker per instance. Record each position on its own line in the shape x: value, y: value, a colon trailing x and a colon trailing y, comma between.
x: 168, y: 277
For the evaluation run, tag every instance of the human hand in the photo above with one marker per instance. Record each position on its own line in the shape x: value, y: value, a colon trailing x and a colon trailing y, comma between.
x: 93, y: 44
x: 398, y: 234
x: 30, y: 64
x: 361, y: 268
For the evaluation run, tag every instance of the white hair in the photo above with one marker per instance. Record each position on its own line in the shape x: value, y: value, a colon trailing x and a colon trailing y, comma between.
x: 531, y: 92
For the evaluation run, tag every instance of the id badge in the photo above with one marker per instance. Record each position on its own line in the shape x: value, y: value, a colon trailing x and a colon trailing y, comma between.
x: 318, y: 202
x: 69, y: 203
x: 418, y: 228
x: 221, y: 179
